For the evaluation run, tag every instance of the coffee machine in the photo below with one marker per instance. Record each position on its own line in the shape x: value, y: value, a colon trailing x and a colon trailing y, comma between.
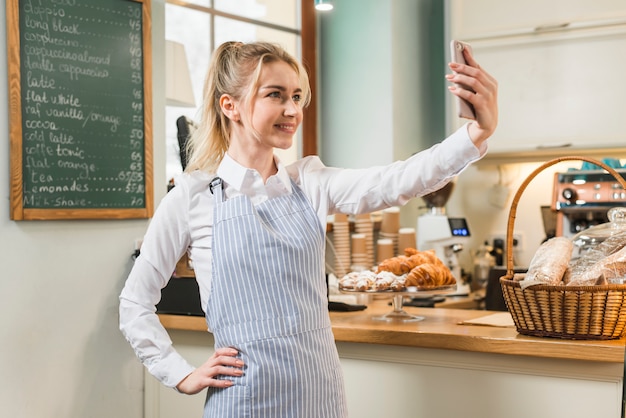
x: 582, y: 198
x: 445, y: 235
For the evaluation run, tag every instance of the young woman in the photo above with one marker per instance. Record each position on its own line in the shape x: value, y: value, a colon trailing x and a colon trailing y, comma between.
x: 254, y: 230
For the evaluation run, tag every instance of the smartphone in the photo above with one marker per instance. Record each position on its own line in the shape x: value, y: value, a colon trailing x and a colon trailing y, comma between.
x: 463, y: 107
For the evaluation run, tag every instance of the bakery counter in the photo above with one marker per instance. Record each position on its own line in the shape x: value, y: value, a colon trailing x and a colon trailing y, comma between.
x: 442, y: 329
x: 442, y: 366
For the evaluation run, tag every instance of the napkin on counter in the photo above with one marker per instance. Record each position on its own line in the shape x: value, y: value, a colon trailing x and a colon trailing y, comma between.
x: 500, y: 319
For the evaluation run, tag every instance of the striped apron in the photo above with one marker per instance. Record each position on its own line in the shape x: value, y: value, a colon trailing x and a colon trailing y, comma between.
x: 269, y: 301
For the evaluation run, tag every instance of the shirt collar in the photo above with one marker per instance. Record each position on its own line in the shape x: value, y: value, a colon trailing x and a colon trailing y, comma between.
x: 282, y: 174
x: 242, y: 178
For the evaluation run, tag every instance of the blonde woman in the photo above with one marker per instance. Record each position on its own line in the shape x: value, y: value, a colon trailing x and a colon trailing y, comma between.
x: 254, y: 229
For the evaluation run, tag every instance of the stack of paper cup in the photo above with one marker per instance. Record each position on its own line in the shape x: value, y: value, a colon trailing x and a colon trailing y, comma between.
x: 389, y: 227
x: 341, y: 242
x: 384, y: 249
x: 406, y: 239
x: 363, y: 225
x: 360, y: 260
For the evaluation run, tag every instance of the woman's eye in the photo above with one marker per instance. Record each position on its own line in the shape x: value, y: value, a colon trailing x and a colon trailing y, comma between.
x: 297, y: 98
x: 275, y: 94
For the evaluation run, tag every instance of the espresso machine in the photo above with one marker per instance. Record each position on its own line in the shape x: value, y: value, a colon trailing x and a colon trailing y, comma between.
x: 582, y: 198
x: 445, y: 235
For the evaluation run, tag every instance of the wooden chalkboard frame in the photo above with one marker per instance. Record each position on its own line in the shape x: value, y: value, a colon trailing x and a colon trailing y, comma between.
x: 18, y: 211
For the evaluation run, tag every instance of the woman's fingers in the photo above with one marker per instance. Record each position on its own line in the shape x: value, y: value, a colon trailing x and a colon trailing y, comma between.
x: 226, y: 356
x: 469, y: 58
x: 481, y: 90
x: 224, y: 362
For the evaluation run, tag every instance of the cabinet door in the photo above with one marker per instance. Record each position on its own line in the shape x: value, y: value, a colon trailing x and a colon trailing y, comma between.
x: 472, y: 19
x: 564, y: 93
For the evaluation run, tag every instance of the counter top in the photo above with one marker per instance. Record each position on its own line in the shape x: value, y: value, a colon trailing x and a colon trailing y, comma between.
x: 441, y: 329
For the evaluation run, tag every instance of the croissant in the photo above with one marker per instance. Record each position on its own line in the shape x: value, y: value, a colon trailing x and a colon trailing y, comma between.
x: 430, y: 275
x: 396, y: 265
x: 422, y: 257
x: 403, y: 264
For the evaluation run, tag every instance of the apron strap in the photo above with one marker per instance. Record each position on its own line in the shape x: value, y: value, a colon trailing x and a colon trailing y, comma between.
x: 216, y: 189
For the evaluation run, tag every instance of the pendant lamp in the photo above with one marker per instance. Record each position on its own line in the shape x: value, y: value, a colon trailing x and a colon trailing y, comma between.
x: 323, y: 5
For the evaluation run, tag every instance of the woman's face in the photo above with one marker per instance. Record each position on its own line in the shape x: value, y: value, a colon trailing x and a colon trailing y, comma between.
x: 276, y: 110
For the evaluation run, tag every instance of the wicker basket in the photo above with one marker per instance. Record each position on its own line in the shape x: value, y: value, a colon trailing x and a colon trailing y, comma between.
x: 569, y: 312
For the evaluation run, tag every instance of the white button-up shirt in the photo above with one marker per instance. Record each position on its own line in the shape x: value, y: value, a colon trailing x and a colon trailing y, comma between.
x: 183, y: 223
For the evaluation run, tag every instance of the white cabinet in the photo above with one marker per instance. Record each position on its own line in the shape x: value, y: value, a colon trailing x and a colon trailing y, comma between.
x: 561, y: 89
x: 471, y: 19
x: 405, y: 382
x: 408, y: 382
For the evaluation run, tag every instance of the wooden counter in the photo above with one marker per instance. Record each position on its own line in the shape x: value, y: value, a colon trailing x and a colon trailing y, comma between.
x: 441, y: 330
x: 439, y: 368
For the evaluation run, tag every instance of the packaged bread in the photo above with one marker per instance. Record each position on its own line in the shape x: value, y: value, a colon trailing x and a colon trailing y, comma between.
x: 607, y: 269
x: 549, y: 263
x: 584, y: 270
x: 598, y: 257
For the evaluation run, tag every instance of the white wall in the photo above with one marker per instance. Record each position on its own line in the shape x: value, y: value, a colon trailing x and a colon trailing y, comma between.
x: 61, y: 352
x: 355, y: 66
x: 379, y: 100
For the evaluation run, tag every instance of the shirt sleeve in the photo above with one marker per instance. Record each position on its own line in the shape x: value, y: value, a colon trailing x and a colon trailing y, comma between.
x: 353, y: 191
x: 165, y: 242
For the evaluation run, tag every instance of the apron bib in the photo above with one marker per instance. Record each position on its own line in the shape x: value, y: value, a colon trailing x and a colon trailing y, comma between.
x: 269, y: 301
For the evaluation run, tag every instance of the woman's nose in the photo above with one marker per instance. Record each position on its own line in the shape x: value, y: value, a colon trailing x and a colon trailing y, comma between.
x: 291, y: 108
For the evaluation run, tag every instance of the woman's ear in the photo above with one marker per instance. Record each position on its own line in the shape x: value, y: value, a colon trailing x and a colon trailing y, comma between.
x: 229, y: 107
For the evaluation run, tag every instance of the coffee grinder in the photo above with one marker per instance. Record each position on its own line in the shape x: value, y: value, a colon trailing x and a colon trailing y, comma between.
x: 435, y: 230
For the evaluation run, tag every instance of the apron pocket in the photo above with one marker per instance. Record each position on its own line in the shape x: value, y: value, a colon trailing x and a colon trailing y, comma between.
x: 232, y: 402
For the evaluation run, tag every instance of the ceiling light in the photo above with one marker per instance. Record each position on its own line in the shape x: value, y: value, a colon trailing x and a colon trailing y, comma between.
x: 323, y: 5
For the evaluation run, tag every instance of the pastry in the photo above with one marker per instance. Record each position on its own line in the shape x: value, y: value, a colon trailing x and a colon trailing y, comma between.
x: 396, y: 265
x: 399, y: 284
x: 403, y: 264
x: 430, y: 275
x: 421, y: 269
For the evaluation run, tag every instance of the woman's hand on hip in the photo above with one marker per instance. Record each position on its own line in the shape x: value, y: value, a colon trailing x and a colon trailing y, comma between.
x: 484, y: 98
x: 222, y: 363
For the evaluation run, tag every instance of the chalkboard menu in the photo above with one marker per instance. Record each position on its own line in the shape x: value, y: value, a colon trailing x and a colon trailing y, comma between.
x: 80, y: 109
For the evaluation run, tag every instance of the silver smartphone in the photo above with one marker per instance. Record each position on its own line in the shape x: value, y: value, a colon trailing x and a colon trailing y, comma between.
x: 464, y: 108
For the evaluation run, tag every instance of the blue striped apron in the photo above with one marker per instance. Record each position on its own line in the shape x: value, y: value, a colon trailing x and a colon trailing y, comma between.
x: 268, y: 300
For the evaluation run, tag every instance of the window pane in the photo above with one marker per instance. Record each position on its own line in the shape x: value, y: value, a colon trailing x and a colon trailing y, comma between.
x: 232, y: 30
x: 192, y: 29
x: 279, y: 12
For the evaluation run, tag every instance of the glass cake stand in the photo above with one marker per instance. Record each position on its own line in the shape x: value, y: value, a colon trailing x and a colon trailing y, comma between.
x: 398, y: 313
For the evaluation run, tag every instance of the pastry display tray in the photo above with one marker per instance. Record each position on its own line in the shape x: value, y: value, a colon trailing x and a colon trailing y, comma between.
x: 410, y: 291
x: 398, y: 313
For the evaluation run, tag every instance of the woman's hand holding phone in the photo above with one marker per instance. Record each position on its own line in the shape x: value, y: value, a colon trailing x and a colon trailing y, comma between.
x: 476, y: 92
